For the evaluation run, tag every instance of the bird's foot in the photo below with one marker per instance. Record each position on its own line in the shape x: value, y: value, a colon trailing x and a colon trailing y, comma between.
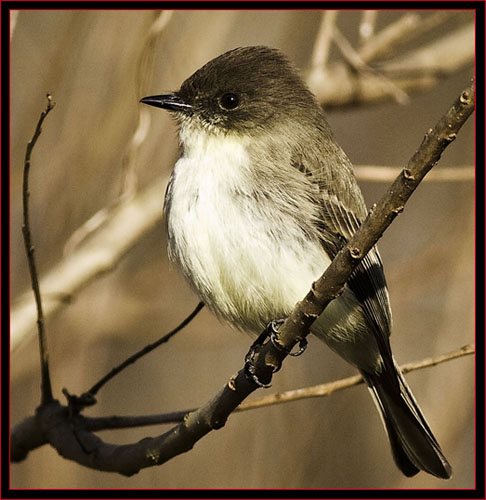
x: 270, y: 332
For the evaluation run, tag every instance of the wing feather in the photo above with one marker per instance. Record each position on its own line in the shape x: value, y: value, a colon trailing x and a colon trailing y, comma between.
x: 341, y: 217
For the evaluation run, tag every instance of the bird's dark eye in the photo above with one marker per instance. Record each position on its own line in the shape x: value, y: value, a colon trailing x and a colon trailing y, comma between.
x: 229, y: 101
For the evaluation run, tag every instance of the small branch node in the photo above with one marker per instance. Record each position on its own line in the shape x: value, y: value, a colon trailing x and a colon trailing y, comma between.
x: 465, y: 98
x: 407, y: 174
x: 338, y: 293
x: 50, y: 102
x: 232, y: 382
x: 153, y: 455
x: 78, y: 403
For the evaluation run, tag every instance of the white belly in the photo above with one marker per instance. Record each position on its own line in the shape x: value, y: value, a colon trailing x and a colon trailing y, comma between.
x: 245, y: 263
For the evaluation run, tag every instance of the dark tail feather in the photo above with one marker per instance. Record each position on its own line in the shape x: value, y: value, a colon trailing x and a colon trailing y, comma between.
x: 413, y: 445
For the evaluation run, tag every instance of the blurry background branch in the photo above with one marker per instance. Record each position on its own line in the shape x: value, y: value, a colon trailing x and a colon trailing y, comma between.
x: 392, y: 74
x: 96, y: 255
x: 374, y: 173
x: 113, y: 230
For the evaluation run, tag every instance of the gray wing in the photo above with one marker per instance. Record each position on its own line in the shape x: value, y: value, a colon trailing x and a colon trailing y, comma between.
x: 341, y: 216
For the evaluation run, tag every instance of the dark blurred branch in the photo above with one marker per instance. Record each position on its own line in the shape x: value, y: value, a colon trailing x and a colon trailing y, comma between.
x: 46, y: 390
x: 68, y: 433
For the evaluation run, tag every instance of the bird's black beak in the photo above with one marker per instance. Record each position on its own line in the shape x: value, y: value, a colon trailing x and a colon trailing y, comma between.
x: 172, y: 102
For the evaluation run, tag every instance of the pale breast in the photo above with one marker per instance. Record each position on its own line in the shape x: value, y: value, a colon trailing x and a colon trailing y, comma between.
x: 246, y: 261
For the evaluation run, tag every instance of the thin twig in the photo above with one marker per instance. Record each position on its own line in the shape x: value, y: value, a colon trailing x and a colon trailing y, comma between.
x: 26, y: 435
x: 46, y: 390
x: 338, y: 385
x: 148, y: 348
x: 321, y: 390
x: 78, y: 403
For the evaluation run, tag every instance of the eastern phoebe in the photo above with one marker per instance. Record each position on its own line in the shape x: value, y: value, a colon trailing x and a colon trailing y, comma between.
x: 260, y: 201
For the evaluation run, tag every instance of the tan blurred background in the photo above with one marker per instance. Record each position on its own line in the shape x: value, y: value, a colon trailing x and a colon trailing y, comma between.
x: 97, y: 65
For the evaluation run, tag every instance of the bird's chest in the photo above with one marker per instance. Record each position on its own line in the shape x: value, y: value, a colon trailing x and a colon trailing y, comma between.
x: 214, y: 222
x: 246, y: 258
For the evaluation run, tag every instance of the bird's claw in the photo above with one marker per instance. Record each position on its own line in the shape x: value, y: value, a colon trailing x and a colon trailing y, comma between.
x: 272, y: 328
x: 271, y: 332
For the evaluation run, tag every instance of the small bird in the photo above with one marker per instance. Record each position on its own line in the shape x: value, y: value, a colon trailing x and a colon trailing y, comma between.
x: 259, y: 203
